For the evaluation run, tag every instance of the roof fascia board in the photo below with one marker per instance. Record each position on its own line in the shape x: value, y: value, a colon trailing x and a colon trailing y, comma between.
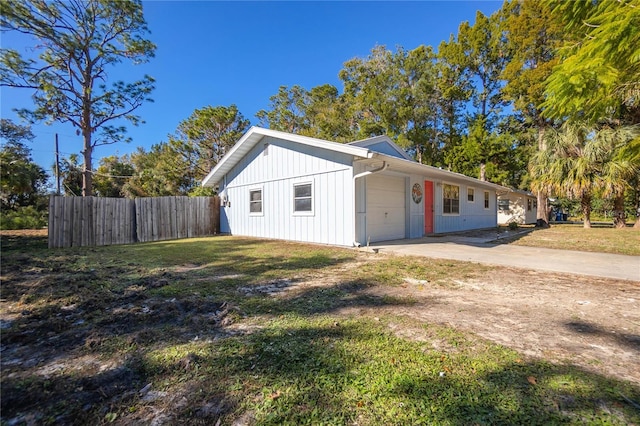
x: 408, y: 165
x: 226, y: 158
x: 356, y: 151
x: 522, y: 192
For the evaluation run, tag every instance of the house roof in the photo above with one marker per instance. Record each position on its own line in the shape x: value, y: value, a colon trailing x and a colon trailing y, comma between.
x: 255, y: 134
x: 522, y: 192
x: 366, y: 143
x: 357, y: 149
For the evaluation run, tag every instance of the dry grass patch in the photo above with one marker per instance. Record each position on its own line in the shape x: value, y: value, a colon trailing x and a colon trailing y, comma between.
x: 575, y: 237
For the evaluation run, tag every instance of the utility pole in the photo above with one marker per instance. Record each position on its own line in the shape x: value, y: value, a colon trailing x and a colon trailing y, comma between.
x: 57, y: 167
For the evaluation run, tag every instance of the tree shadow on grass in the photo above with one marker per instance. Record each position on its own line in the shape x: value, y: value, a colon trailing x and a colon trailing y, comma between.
x: 23, y: 242
x: 632, y: 341
x: 320, y: 371
x: 71, y: 398
x: 42, y: 346
x: 541, y: 393
x: 325, y: 374
x: 308, y: 368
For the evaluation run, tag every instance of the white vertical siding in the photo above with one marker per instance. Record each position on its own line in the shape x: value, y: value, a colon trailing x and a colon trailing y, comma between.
x: 472, y: 215
x: 286, y: 164
x: 518, y: 209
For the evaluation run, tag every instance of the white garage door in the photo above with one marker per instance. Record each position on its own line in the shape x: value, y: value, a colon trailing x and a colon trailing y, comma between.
x: 385, y: 207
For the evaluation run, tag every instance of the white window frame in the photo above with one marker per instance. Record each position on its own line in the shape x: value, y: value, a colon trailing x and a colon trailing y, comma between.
x: 487, y: 200
x: 473, y: 194
x: 293, y: 199
x: 254, y: 189
x: 444, y: 184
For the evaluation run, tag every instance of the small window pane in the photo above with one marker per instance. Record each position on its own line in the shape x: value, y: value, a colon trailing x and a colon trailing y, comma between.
x: 503, y: 205
x: 486, y: 199
x: 303, y: 205
x: 303, y: 191
x: 450, y: 199
x: 470, y: 195
x: 255, y: 201
x: 302, y: 199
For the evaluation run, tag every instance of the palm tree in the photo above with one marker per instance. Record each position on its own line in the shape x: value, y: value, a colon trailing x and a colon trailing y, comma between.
x: 567, y: 166
x: 619, y: 152
x: 579, y: 160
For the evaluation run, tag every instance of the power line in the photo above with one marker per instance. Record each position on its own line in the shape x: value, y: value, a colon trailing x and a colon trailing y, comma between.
x: 95, y: 173
x: 48, y: 151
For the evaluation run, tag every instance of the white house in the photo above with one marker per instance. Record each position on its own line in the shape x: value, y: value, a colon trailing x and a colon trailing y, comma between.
x: 517, y: 206
x: 284, y: 186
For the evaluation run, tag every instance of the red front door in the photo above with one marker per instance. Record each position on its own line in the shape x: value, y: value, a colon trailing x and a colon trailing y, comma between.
x: 428, y: 207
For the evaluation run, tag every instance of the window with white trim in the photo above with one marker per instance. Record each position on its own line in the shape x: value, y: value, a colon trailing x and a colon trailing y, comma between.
x: 303, y: 198
x: 255, y: 201
x: 486, y: 199
x: 503, y: 204
x: 470, y: 195
x: 529, y: 204
x: 450, y: 199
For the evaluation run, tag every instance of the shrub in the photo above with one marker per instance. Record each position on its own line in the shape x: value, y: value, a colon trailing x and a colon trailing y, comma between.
x: 24, y: 218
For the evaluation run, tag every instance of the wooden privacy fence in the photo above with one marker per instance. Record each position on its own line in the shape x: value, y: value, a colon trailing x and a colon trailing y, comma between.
x: 98, y: 221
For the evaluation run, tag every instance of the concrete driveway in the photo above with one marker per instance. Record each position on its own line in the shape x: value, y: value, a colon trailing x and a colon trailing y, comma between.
x: 482, y: 250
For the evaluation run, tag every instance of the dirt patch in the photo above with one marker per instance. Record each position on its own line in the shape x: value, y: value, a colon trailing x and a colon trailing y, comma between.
x: 590, y: 322
x: 16, y: 233
x: 76, y: 350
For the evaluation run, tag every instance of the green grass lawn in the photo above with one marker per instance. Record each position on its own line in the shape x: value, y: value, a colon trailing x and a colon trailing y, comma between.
x: 189, y: 330
x: 575, y: 237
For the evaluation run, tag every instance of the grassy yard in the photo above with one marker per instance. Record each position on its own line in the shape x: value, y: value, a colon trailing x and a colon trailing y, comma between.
x: 575, y: 237
x: 217, y: 330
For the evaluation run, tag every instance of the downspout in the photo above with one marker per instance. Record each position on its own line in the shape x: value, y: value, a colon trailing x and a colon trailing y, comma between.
x: 224, y: 198
x: 382, y: 168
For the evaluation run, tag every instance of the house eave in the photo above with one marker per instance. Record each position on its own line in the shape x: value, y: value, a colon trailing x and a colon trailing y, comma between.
x: 410, y: 166
x: 255, y: 134
x: 365, y: 143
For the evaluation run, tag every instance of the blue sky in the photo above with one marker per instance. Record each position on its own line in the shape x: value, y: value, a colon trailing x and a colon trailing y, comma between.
x: 223, y: 53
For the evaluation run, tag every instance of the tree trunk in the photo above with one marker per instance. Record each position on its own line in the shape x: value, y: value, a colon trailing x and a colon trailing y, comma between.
x: 483, y: 172
x: 87, y: 175
x: 543, y: 211
x: 585, y: 204
x: 619, y: 217
x: 637, y: 203
x: 87, y: 131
